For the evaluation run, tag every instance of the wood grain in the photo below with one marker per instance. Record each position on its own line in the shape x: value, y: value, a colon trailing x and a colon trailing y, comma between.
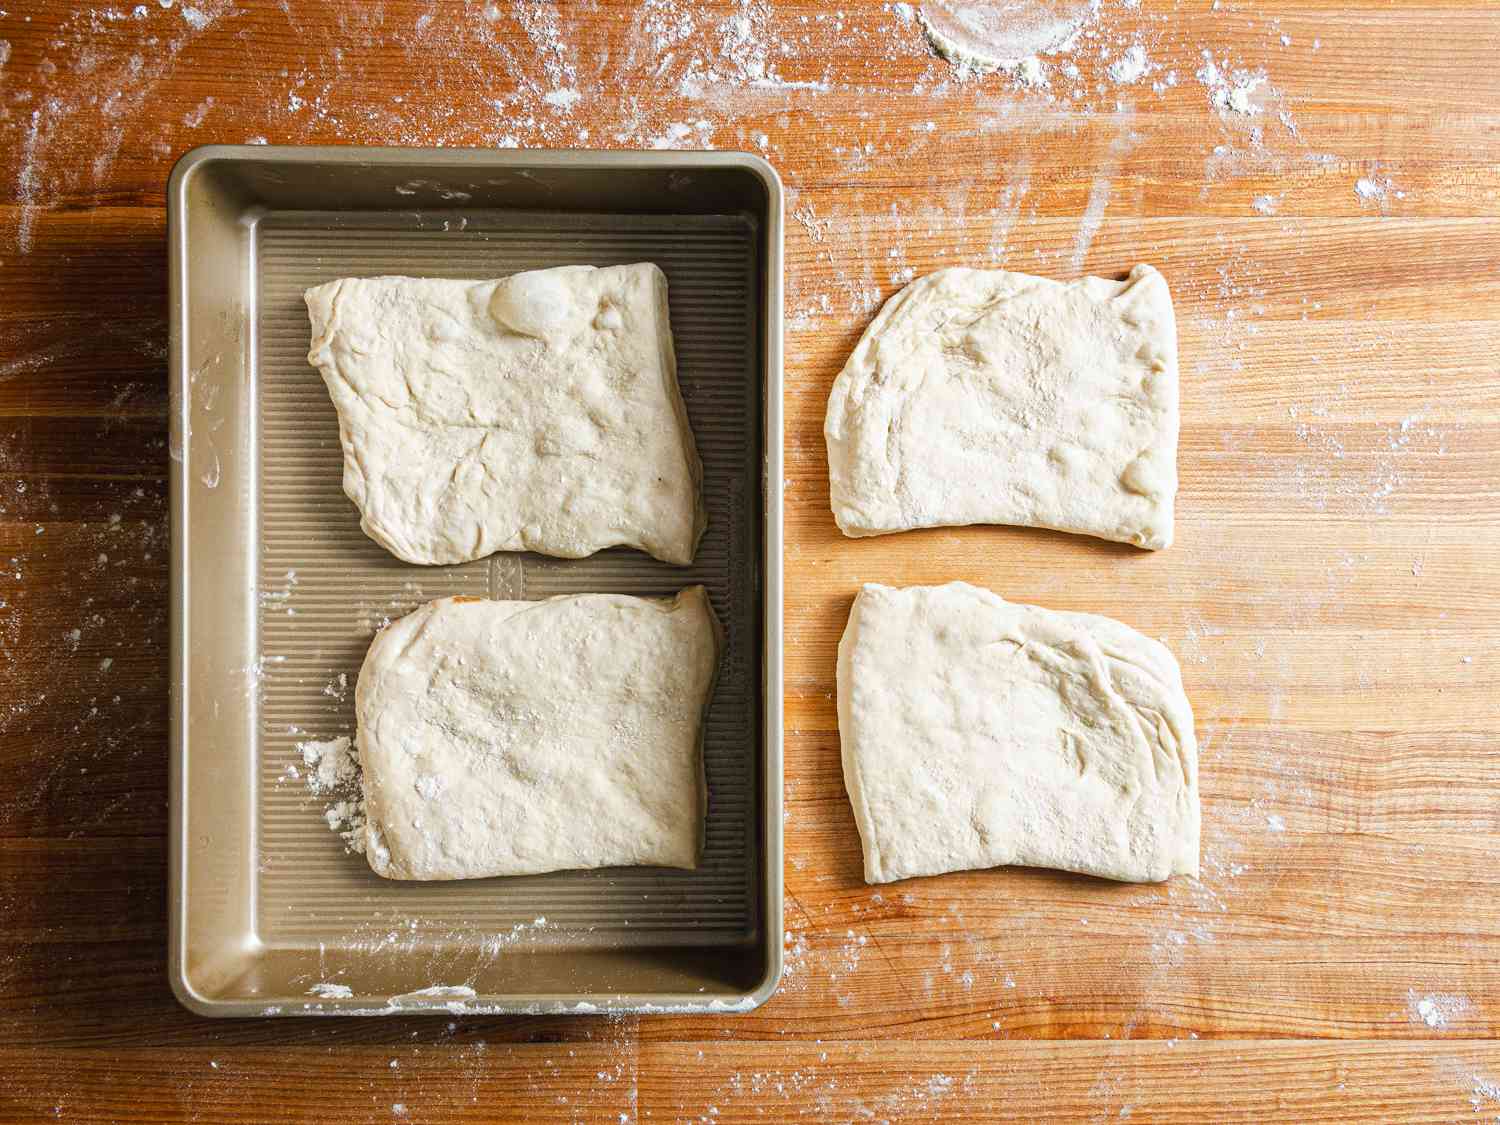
x: 1333, y: 592
x: 469, y: 1078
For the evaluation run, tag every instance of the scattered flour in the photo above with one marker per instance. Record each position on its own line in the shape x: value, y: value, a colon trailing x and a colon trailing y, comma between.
x: 1437, y: 1010
x: 347, y: 818
x: 564, y: 99
x: 676, y: 135
x: 1484, y: 1090
x: 194, y: 117
x: 1377, y: 189
x: 195, y: 18
x: 1238, y: 92
x: 1099, y: 193
x: 497, y: 942
x: 1130, y: 67
x: 327, y: 990
x: 456, y: 998
x: 28, y: 179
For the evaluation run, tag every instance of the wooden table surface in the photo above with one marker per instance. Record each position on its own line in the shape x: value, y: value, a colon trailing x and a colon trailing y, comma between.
x: 1333, y: 594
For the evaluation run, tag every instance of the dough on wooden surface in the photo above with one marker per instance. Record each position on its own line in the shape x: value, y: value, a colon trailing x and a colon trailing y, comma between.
x: 540, y: 412
x: 984, y: 396
x: 510, y: 738
x: 977, y: 732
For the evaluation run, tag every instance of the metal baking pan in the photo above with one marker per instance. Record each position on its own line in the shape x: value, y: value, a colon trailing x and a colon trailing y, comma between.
x: 276, y: 592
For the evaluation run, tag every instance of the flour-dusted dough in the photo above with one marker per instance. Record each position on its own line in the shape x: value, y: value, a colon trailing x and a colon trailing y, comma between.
x: 977, y: 732
x: 536, y: 413
x: 509, y: 738
x: 983, y: 396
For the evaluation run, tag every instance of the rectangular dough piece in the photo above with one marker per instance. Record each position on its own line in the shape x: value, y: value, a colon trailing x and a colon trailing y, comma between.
x: 977, y: 732
x: 540, y: 412
x: 511, y: 738
x: 984, y: 396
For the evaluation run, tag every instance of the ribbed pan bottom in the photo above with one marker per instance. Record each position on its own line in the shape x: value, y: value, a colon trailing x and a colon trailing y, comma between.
x: 325, y: 588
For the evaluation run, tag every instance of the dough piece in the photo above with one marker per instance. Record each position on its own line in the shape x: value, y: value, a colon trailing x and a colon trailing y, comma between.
x: 982, y: 396
x: 509, y: 738
x: 536, y: 413
x: 977, y: 732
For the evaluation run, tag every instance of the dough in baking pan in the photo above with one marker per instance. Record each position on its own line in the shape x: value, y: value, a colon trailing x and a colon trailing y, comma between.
x: 511, y: 738
x: 984, y: 396
x: 977, y: 732
x: 540, y: 413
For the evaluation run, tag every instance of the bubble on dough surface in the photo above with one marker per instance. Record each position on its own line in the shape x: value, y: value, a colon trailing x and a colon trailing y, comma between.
x: 534, y: 304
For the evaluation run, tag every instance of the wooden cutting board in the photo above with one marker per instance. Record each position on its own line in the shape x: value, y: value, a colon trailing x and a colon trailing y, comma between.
x: 1333, y: 592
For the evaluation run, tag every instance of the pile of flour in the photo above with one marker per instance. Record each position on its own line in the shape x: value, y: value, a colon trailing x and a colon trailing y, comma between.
x: 983, y: 38
x: 1018, y: 37
x: 330, y: 770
